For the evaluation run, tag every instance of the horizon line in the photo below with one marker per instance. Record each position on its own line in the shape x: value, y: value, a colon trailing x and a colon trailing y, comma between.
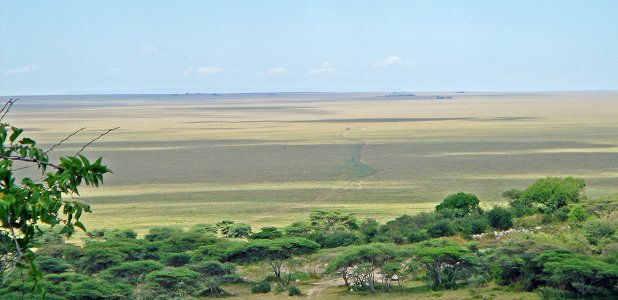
x: 314, y: 92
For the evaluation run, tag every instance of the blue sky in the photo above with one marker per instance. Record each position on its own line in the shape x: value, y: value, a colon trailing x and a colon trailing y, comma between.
x: 60, y: 47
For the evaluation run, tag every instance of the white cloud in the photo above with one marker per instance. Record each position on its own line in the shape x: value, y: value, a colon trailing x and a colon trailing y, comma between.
x: 149, y: 49
x: 22, y: 70
x: 277, y: 71
x: 324, y: 68
x: 393, y: 61
x: 204, y: 71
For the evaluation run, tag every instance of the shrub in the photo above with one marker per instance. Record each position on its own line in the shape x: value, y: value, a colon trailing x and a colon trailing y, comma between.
x: 49, y: 264
x: 471, y: 224
x: 577, y: 214
x: 238, y: 230
x: 369, y: 228
x: 440, y: 229
x: 500, y: 218
x: 94, y: 289
x: 577, y: 273
x: 96, y: 260
x: 329, y: 221
x: 554, y: 192
x: 267, y: 233
x: 338, y: 239
x: 294, y: 291
x: 596, y: 230
x: 132, y: 272
x: 204, y: 228
x: 397, y: 230
x: 213, y: 268
x: 299, y: 228
x: 261, y: 287
x: 161, y: 233
x: 561, y: 214
x: 119, y: 234
x: 176, y: 259
x: 186, y: 241
x: 463, y: 203
x: 174, y: 281
x: 418, y: 236
x: 214, y: 288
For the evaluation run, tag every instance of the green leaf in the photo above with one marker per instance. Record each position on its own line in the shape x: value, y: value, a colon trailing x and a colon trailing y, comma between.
x: 15, y: 134
x: 81, y: 226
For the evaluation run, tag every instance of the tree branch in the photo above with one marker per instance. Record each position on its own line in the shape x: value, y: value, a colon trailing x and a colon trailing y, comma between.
x: 92, y: 141
x: 64, y: 140
x: 32, y: 160
x: 7, y: 106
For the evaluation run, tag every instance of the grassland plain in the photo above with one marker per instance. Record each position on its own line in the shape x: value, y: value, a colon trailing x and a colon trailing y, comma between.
x: 270, y: 159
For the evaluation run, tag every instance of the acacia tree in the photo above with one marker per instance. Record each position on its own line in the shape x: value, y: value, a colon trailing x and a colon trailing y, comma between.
x: 445, y: 263
x: 275, y: 252
x: 358, y: 265
x: 28, y: 203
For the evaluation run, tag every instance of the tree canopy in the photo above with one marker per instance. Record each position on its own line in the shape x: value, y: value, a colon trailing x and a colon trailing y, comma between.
x: 27, y: 203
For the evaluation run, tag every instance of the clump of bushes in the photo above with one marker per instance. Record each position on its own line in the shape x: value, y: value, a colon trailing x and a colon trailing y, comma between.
x: 261, y: 287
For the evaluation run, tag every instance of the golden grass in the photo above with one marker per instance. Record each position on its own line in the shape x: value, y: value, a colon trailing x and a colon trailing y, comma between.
x: 273, y: 159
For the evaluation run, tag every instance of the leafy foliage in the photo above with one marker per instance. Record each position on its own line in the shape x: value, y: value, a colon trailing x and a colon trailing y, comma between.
x: 461, y: 203
x: 552, y: 193
x: 500, y: 218
x: 28, y: 203
x: 446, y: 264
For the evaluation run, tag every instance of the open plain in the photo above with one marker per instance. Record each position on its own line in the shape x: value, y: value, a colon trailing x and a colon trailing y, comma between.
x: 270, y: 159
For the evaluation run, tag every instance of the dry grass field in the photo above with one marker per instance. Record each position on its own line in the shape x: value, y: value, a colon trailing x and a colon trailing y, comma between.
x: 270, y: 159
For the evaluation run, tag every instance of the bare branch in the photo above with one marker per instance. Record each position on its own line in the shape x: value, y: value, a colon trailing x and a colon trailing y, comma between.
x: 7, y: 106
x: 64, y: 140
x: 32, y: 160
x: 92, y: 141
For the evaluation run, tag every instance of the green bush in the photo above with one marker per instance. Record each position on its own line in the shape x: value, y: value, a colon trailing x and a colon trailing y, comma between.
x: 500, y: 218
x: 471, y: 224
x: 597, y: 230
x: 161, y: 233
x: 299, y: 228
x: 338, y: 238
x: 398, y: 229
x: 95, y: 289
x: 369, y: 229
x: 174, y: 281
x: 176, y: 259
x: 294, y: 291
x: 418, y: 236
x: 186, y: 241
x: 577, y: 214
x: 577, y: 273
x: 131, y: 272
x: 261, y: 287
x: 97, y: 260
x: 49, y: 264
x: 268, y: 233
x: 213, y: 268
x: 552, y: 193
x: 119, y: 235
x: 440, y: 228
x: 560, y: 214
x: 204, y: 228
x: 462, y: 203
x: 238, y: 230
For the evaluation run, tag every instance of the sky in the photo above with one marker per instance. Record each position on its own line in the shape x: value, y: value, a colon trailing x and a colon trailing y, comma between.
x: 91, y: 47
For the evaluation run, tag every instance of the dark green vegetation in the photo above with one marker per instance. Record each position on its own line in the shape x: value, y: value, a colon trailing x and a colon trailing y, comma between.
x: 559, y: 247
x: 28, y: 203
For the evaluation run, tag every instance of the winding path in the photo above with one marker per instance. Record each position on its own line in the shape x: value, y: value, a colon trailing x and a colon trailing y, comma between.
x: 319, y: 287
x: 351, y: 185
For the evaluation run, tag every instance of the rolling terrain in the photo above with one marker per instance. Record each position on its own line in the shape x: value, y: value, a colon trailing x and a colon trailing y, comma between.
x: 270, y: 159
